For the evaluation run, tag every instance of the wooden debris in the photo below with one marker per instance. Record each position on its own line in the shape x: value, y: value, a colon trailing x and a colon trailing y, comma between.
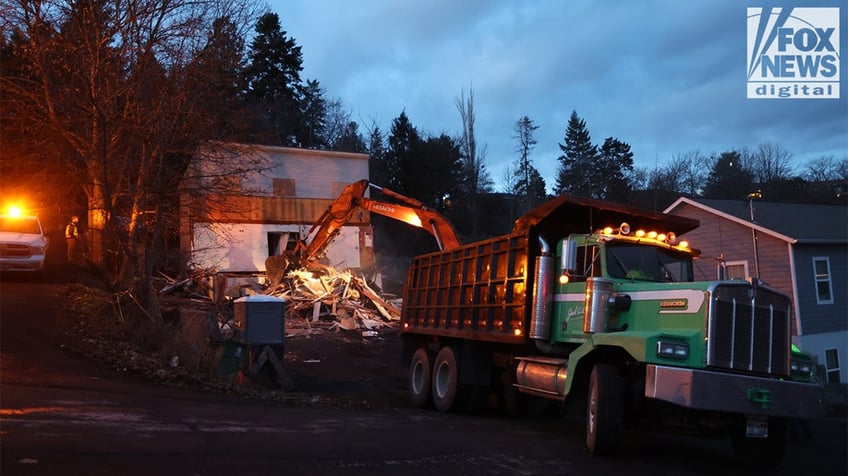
x: 344, y: 300
x: 325, y: 300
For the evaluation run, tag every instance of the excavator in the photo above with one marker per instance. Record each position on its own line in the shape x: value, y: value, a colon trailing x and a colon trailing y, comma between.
x: 352, y: 197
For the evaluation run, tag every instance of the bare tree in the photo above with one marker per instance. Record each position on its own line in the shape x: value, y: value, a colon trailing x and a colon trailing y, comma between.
x: 476, y: 179
x: 769, y: 163
x: 694, y: 170
x: 337, y: 118
x: 821, y: 169
x: 122, y: 116
x: 684, y: 174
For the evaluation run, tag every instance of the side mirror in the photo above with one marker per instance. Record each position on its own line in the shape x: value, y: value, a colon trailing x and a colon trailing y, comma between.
x: 569, y: 257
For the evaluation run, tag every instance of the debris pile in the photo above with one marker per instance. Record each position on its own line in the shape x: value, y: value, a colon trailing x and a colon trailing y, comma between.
x: 328, y: 299
x: 345, y: 300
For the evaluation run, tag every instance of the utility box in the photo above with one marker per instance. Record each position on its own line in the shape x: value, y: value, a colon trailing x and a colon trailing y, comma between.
x: 260, y: 320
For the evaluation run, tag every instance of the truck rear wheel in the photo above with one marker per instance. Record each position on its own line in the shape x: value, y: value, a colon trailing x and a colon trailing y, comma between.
x: 604, y: 410
x: 420, y: 372
x: 447, y: 392
x: 760, y: 453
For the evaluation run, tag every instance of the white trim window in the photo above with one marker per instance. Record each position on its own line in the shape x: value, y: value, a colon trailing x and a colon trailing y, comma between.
x: 831, y: 361
x: 734, y: 270
x: 821, y: 274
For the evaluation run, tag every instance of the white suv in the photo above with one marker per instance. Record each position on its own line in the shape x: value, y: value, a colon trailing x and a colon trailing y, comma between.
x: 23, y: 246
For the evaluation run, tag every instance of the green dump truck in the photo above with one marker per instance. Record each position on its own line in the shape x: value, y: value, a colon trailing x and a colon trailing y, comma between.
x: 594, y: 307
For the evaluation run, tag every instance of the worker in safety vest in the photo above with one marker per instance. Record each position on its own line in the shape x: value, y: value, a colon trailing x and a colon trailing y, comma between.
x: 72, y: 239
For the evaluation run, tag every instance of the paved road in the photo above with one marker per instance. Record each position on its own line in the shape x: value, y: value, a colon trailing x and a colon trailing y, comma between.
x: 63, y: 414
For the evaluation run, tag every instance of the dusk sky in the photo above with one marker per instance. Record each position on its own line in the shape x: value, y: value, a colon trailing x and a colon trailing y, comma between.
x: 667, y: 77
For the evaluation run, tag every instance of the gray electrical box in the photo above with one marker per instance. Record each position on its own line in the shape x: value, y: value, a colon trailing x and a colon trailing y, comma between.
x: 260, y: 319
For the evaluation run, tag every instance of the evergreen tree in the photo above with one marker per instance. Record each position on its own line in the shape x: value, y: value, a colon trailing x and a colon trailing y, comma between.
x: 377, y: 165
x: 350, y: 140
x: 274, y: 84
x: 403, y: 139
x: 432, y: 171
x: 729, y: 178
x: 615, y: 164
x: 313, y: 110
x: 215, y: 78
x: 578, y: 159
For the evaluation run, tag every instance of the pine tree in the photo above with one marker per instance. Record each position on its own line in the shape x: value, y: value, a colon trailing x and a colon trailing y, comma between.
x: 377, y: 165
x: 615, y: 163
x: 403, y: 139
x: 274, y: 84
x: 215, y: 79
x: 313, y: 111
x: 578, y: 159
x: 729, y: 178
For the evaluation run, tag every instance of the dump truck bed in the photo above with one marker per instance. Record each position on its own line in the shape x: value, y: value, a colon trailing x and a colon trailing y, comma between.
x: 477, y: 291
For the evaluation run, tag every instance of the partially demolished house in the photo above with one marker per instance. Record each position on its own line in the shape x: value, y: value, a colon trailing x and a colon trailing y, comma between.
x: 242, y: 203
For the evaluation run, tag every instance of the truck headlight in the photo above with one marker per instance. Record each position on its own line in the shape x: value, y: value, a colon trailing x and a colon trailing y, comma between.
x: 801, y: 366
x: 674, y: 350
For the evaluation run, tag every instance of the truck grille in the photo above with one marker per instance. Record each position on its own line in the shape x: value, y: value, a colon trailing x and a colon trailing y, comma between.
x: 9, y: 250
x: 749, y: 329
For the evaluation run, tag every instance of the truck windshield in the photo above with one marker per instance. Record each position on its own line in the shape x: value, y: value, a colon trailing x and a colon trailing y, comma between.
x: 647, y: 263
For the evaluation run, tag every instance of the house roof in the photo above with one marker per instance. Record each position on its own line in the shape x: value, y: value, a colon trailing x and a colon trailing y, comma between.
x: 792, y: 222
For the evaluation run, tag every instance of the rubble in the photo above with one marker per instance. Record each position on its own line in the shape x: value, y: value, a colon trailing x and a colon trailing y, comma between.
x: 318, y: 301
x: 344, y: 299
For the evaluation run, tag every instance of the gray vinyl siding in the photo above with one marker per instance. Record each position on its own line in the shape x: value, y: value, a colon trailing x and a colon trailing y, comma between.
x: 818, y: 318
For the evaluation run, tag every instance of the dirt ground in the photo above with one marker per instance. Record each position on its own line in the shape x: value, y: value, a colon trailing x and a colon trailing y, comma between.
x: 344, y: 365
x: 325, y: 364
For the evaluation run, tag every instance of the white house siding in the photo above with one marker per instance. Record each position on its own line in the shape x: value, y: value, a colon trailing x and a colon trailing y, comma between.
x: 228, y: 231
x: 317, y: 173
x: 243, y: 247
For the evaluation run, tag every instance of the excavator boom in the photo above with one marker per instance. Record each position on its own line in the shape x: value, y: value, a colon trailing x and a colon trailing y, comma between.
x: 352, y: 197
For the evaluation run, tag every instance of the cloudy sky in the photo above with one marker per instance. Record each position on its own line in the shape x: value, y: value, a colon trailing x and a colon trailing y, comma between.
x: 666, y: 76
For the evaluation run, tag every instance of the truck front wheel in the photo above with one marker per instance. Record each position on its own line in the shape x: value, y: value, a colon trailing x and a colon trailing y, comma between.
x: 419, y: 378
x: 447, y: 391
x: 604, y: 410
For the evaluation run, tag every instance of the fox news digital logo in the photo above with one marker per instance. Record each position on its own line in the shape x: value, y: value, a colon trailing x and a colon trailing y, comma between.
x: 793, y: 53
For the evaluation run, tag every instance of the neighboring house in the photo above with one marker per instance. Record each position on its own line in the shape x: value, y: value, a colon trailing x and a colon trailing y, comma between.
x: 801, y: 249
x: 242, y: 203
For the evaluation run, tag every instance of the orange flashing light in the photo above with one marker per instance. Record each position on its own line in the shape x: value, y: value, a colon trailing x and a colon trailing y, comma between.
x: 15, y: 211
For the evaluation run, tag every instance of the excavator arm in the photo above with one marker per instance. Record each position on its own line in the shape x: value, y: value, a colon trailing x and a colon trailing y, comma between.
x: 352, y: 197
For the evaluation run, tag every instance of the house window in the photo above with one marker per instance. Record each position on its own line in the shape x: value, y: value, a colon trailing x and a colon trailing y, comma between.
x: 831, y: 357
x: 824, y: 290
x: 733, y: 270
x: 284, y: 187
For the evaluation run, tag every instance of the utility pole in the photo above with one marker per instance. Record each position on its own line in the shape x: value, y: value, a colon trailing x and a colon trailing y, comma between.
x: 751, y: 197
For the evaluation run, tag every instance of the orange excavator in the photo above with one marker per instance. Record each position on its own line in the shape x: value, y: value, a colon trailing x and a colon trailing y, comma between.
x: 410, y: 211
